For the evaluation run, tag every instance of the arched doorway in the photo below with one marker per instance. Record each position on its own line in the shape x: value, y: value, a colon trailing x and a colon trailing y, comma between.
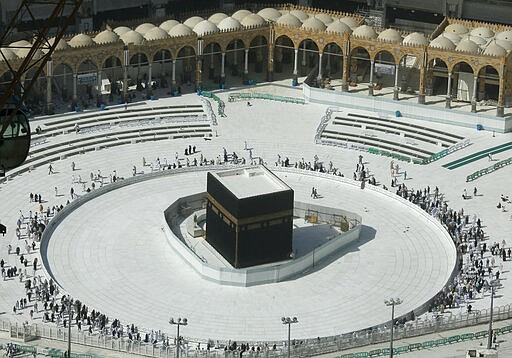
x: 385, y: 71
x: 138, y: 71
x: 258, y: 55
x: 308, y: 62
x: 185, y: 66
x: 35, y: 99
x: 87, y: 83
x: 284, y: 55
x: 162, y: 68
x: 360, y: 69
x: 488, y: 85
x: 235, y: 58
x: 113, y: 72
x: 63, y: 82
x: 212, y: 57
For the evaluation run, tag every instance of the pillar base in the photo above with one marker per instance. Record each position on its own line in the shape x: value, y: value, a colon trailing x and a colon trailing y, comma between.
x: 270, y: 76
x: 395, y: 94
x: 222, y: 80
x: 370, y: 90
x: 473, y: 107
x: 500, y: 111
x: 49, y: 109
x: 421, y: 98
x: 448, y: 103
x: 344, y: 87
x: 295, y: 78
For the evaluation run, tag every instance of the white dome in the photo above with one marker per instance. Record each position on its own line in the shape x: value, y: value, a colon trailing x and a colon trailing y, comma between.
x: 480, y: 41
x: 482, y: 31
x: 459, y: 29
x: 350, y: 21
x: 415, y: 38
x: 106, y: 37
x: 507, y: 45
x: 314, y: 24
x: 365, y: 32
x: 193, y: 21
x: 495, y: 50
x: 299, y: 14
x: 168, y: 25
x: 468, y: 46
x: 269, y: 13
x: 442, y: 43
x: 253, y: 20
x: 20, y: 43
x: 325, y: 18
x: 143, y: 28
x: 8, y: 53
x: 121, y: 30
x: 205, y: 27
x: 217, y: 17
x: 453, y: 37
x: 156, y: 33
x: 241, y: 14
x: 62, y: 45
x: 339, y: 27
x: 81, y: 40
x: 504, y: 35
x: 180, y: 30
x: 229, y: 24
x: 25, y: 49
x: 132, y: 37
x: 390, y: 35
x: 289, y: 20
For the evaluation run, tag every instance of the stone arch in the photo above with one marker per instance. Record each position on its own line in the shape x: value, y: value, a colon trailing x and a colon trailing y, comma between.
x: 359, y: 67
x: 36, y: 98
x: 235, y: 56
x: 87, y: 81
x: 212, y: 57
x: 185, y: 64
x: 384, y: 69
x: 284, y: 54
x: 437, y: 77
x: 409, y: 72
x: 463, y: 74
x: 138, y: 70
x: 162, y: 67
x: 332, y: 60
x: 308, y: 56
x: 63, y: 81
x: 248, y: 41
x: 488, y: 83
x: 112, y: 69
x: 258, y: 53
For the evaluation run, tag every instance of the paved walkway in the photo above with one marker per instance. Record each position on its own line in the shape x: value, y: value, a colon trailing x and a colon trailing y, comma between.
x: 270, y: 128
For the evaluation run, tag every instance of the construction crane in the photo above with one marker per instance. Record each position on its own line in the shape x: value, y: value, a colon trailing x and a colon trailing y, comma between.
x: 14, y: 125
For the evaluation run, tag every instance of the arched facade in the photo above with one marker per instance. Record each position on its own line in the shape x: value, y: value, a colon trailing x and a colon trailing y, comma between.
x: 391, y: 58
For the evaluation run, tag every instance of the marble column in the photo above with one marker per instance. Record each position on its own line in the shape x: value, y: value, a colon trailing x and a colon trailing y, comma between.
x: 370, y: 86
x: 448, y: 104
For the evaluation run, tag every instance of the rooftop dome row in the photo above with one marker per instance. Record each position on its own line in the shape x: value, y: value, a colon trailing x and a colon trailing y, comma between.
x: 456, y: 36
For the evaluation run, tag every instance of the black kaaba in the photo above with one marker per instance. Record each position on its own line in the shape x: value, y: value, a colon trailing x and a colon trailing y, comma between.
x: 249, y: 216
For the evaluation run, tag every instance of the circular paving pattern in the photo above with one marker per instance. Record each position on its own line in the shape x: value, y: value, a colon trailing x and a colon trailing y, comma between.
x: 112, y: 254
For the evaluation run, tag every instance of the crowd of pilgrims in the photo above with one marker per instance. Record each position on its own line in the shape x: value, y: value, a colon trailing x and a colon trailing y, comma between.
x: 43, y: 296
x: 478, y: 261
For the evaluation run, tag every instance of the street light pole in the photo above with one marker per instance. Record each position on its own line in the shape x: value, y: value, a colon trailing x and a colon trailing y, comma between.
x: 289, y: 321
x: 392, y: 302
x: 179, y: 322
x: 493, y: 284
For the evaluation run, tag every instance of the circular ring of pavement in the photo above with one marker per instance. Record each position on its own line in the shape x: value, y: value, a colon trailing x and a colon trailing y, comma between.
x: 111, y: 253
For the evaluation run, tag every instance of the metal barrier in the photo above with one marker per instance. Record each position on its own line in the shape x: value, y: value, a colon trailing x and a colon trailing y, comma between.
x: 255, y: 95
x: 488, y: 170
x: 220, y: 102
x: 447, y: 151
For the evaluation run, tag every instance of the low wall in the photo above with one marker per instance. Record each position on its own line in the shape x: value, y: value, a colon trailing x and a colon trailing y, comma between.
x: 261, y: 274
x: 385, y: 106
